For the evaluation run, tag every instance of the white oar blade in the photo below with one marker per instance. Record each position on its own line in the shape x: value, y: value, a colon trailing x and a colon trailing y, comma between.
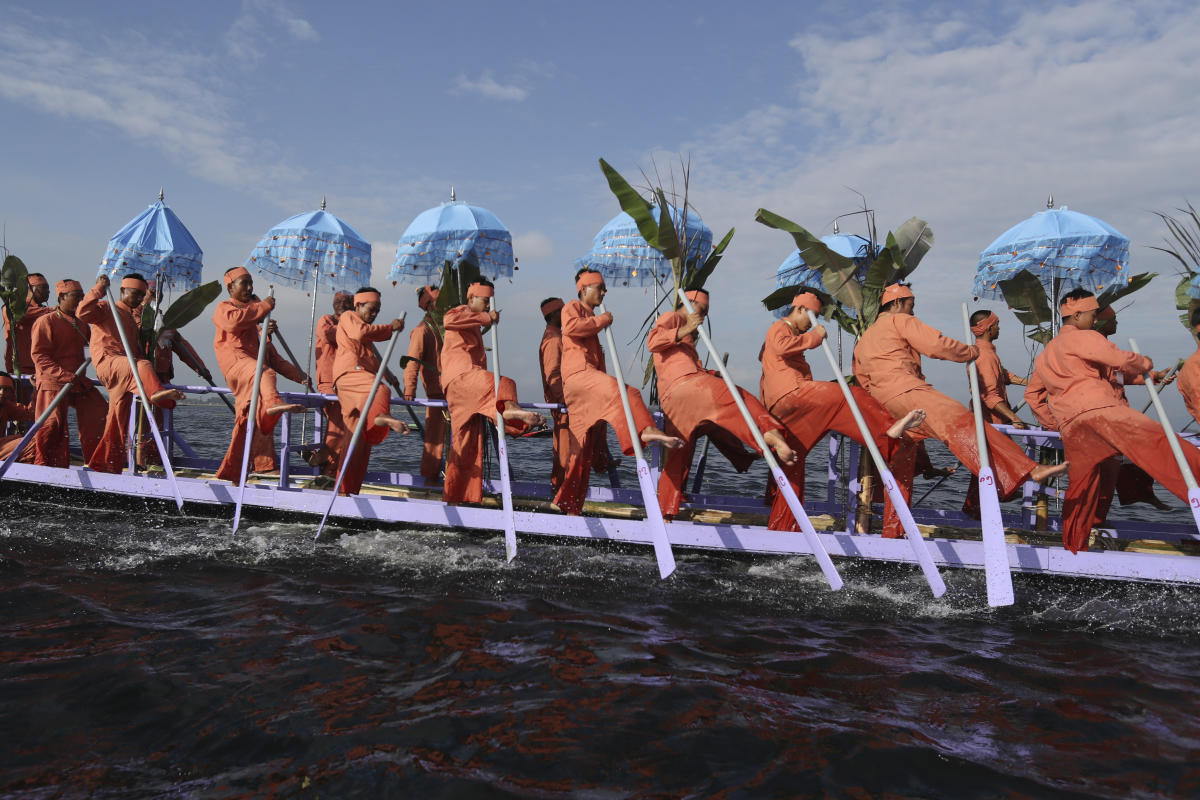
x: 810, y: 533
x: 1194, y: 504
x: 916, y: 541
x: 510, y: 522
x: 995, y: 549
x: 658, y: 528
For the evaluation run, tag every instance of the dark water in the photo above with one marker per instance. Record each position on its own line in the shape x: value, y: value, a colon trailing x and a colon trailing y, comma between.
x: 152, y: 655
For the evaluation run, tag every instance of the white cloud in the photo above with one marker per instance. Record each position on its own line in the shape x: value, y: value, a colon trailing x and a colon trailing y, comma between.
x: 253, y: 27
x: 490, y: 88
x: 533, y: 247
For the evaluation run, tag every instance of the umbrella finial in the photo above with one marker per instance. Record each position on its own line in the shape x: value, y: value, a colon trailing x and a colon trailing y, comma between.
x: 1050, y: 201
x: 452, y: 193
x: 160, y: 194
x: 835, y: 226
x: 322, y: 202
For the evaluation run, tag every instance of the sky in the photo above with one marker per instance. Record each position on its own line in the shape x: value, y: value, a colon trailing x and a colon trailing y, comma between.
x: 965, y: 114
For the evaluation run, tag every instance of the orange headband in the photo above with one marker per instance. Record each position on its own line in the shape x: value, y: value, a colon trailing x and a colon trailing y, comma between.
x: 807, y: 300
x: 694, y: 295
x: 895, y: 292
x: 7, y: 381
x: 427, y: 297
x: 550, y: 306
x: 130, y: 282
x: 479, y: 290
x: 234, y: 274
x: 366, y: 297
x: 981, y: 327
x: 37, y: 280
x: 589, y: 279
x: 1074, y: 305
x: 64, y: 286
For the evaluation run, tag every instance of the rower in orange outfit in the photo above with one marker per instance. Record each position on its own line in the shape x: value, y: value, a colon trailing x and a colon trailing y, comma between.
x: 35, y: 307
x: 1189, y: 373
x: 810, y: 409
x: 235, y: 344
x: 424, y: 352
x: 591, y: 394
x: 12, y: 411
x: 112, y: 365
x: 471, y: 396
x: 697, y: 403
x: 1071, y: 386
x: 354, y: 369
x: 325, y: 349
x: 887, y: 363
x: 57, y: 343
x: 550, y: 352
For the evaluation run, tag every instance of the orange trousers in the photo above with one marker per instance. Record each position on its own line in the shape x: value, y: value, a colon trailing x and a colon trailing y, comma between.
x: 264, y: 423
x: 701, y: 405
x: 51, y: 448
x: 114, y: 373
x: 353, y: 389
x: 335, y: 431
x: 472, y: 398
x: 1090, y: 441
x: 810, y: 412
x: 435, y: 443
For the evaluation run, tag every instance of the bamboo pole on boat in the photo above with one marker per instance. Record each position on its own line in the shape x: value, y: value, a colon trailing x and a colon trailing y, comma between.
x: 785, y: 487
x: 658, y: 528
x: 360, y: 426
x: 995, y: 550
x: 510, y: 517
x: 263, y: 337
x: 916, y: 541
x: 45, y: 415
x: 145, y: 401
x: 1173, y: 441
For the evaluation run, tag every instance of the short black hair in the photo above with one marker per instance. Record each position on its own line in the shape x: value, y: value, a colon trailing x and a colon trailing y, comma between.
x: 231, y: 269
x: 582, y: 271
x: 482, y: 281
x: 367, y: 289
x: 35, y: 275
x: 1074, y: 294
x: 979, y: 316
x: 1195, y: 316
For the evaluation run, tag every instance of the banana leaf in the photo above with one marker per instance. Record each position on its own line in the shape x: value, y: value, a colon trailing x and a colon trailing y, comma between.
x: 913, y: 238
x: 837, y: 271
x: 878, y: 276
x: 697, y: 276
x: 1181, y: 296
x: 189, y: 306
x: 1135, y: 283
x: 1026, y: 296
x: 668, y: 237
x: 1041, y: 335
x: 14, y: 286
x: 405, y: 360
x: 633, y: 204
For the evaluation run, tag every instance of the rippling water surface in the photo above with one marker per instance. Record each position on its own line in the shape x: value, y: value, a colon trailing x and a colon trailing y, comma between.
x: 145, y: 654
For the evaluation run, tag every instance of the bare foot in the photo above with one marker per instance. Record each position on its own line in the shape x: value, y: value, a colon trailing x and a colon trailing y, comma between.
x: 285, y: 408
x: 786, y: 454
x: 393, y: 423
x: 910, y: 420
x: 532, y: 419
x: 653, y: 435
x: 1044, y: 472
x: 158, y: 398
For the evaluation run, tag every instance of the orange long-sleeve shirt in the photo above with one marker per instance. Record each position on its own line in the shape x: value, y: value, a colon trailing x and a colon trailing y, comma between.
x: 673, y: 360
x: 106, y: 341
x: 580, y: 339
x: 324, y: 349
x: 784, y: 367
x: 992, y: 377
x: 57, y: 348
x: 1073, y: 374
x: 462, y: 350
x: 887, y: 359
x: 425, y: 346
x: 1189, y: 384
x: 354, y: 351
x: 23, y: 336
x: 236, y: 335
x: 550, y: 352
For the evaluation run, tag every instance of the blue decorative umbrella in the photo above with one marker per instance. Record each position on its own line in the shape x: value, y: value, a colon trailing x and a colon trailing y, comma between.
x: 313, y: 251
x: 625, y: 258
x: 453, y: 232
x: 795, y: 272
x: 1193, y: 289
x: 154, y: 244
x: 1079, y: 250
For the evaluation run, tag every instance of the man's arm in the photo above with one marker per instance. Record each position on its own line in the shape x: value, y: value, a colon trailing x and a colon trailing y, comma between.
x: 929, y: 341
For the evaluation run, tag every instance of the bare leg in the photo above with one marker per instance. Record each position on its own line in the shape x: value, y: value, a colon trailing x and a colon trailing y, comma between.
x: 1044, y: 472
x: 393, y: 423
x: 651, y: 435
x: 531, y: 418
x: 285, y: 408
x: 910, y: 420
x: 780, y: 446
x: 158, y: 398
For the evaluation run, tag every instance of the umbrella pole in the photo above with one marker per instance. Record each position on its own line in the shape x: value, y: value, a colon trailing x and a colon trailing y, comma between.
x: 312, y: 329
x: 785, y: 487
x: 8, y: 462
x: 254, y: 400
x: 145, y: 401
x: 995, y: 551
x: 658, y: 528
x: 510, y: 518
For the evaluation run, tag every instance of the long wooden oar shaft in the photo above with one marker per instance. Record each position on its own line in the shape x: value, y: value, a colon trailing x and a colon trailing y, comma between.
x: 785, y: 486
x: 1188, y: 478
x: 263, y: 337
x: 359, y: 428
x: 996, y: 568
x: 45, y: 415
x: 510, y: 517
x: 137, y: 380
x: 654, y: 518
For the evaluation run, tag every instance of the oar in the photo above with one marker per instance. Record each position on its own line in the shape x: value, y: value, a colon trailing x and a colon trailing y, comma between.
x: 510, y: 518
x: 995, y: 551
x: 258, y: 371
x: 916, y: 541
x: 359, y: 428
x: 785, y: 487
x: 658, y: 528
x: 1173, y: 441
x: 45, y: 415
x: 137, y: 379
x: 697, y: 481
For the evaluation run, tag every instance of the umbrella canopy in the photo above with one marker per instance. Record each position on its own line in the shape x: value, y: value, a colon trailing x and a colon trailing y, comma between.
x: 625, y: 258
x: 1079, y: 250
x: 453, y: 232
x: 795, y: 272
x: 154, y: 244
x: 313, y: 250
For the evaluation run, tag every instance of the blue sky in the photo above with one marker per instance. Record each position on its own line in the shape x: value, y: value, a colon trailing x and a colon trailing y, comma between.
x: 967, y: 115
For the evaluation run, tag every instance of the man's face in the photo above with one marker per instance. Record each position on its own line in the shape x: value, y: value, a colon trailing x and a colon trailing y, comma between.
x: 242, y: 289
x: 132, y: 297
x: 368, y: 311
x: 40, y: 292
x: 556, y: 318
x: 592, y: 296
x: 906, y: 305
x: 799, y: 318
x: 701, y: 305
x: 68, y: 302
x: 6, y: 393
x: 1084, y: 320
x: 478, y: 304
